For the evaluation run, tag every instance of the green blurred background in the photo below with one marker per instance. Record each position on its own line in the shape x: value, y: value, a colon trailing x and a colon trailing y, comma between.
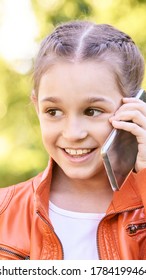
x: 23, y: 23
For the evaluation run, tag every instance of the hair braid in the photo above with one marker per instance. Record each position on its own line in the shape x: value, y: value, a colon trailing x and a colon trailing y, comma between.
x: 82, y: 40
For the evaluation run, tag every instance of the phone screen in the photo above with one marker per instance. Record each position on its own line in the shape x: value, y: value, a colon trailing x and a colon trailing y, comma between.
x: 119, y: 153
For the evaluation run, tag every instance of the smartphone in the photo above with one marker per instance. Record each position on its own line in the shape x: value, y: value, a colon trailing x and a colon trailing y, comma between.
x: 119, y: 153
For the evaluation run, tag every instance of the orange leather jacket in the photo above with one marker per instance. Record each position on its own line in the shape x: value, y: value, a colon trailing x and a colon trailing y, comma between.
x: 26, y: 231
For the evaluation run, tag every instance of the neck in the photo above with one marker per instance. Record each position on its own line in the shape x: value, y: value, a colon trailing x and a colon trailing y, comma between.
x: 93, y: 195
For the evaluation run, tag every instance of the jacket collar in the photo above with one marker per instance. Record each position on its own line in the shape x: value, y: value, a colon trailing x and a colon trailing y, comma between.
x: 128, y: 197
x: 124, y: 200
x: 41, y: 184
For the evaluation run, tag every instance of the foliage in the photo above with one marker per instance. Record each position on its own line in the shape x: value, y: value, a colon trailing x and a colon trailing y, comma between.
x: 21, y: 151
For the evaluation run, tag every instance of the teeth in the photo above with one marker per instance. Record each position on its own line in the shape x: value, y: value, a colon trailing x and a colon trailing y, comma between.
x: 77, y: 152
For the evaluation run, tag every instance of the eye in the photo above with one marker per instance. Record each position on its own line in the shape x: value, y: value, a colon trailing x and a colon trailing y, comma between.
x: 54, y: 112
x: 92, y: 112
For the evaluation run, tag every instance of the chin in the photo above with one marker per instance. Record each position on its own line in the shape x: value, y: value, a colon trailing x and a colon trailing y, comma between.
x: 80, y: 175
x: 85, y: 172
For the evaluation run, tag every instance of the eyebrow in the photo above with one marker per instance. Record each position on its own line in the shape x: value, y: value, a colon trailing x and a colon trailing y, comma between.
x: 51, y: 99
x: 97, y: 99
x: 89, y: 100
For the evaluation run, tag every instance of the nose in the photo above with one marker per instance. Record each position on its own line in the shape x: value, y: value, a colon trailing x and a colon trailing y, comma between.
x: 75, y: 130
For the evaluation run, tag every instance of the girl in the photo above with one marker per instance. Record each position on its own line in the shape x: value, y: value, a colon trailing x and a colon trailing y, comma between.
x: 85, y: 79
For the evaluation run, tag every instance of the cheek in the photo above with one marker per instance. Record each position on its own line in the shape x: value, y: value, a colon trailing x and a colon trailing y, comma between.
x: 102, y: 132
x: 49, y: 134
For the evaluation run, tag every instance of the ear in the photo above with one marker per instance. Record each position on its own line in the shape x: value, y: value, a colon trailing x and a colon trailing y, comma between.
x: 34, y: 100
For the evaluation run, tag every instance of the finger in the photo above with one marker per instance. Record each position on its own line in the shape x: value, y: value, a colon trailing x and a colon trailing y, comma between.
x: 132, y: 99
x: 133, y: 128
x: 137, y: 105
x: 132, y: 116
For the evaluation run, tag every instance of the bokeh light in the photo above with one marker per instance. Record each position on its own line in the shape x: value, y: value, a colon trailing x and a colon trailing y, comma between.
x: 18, y: 31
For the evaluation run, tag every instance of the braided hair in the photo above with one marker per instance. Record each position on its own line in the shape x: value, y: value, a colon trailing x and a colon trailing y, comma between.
x: 79, y: 41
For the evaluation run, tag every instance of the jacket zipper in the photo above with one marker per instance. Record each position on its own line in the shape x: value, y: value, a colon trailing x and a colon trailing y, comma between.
x: 51, y: 227
x: 114, y: 213
x: 132, y: 229
x: 14, y: 254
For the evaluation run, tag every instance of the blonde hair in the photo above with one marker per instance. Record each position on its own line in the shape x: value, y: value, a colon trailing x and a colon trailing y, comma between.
x: 79, y: 41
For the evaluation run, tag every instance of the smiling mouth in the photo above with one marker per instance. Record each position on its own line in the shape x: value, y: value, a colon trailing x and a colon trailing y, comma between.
x: 78, y: 152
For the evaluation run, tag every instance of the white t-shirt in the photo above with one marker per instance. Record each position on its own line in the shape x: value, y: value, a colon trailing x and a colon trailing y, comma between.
x: 77, y: 232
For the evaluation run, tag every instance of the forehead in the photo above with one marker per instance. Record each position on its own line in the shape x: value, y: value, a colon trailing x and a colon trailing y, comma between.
x: 87, y: 75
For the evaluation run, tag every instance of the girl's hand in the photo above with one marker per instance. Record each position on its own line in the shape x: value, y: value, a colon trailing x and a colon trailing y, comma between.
x: 133, y: 110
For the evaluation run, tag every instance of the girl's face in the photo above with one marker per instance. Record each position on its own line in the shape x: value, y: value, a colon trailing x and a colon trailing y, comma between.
x: 75, y: 101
